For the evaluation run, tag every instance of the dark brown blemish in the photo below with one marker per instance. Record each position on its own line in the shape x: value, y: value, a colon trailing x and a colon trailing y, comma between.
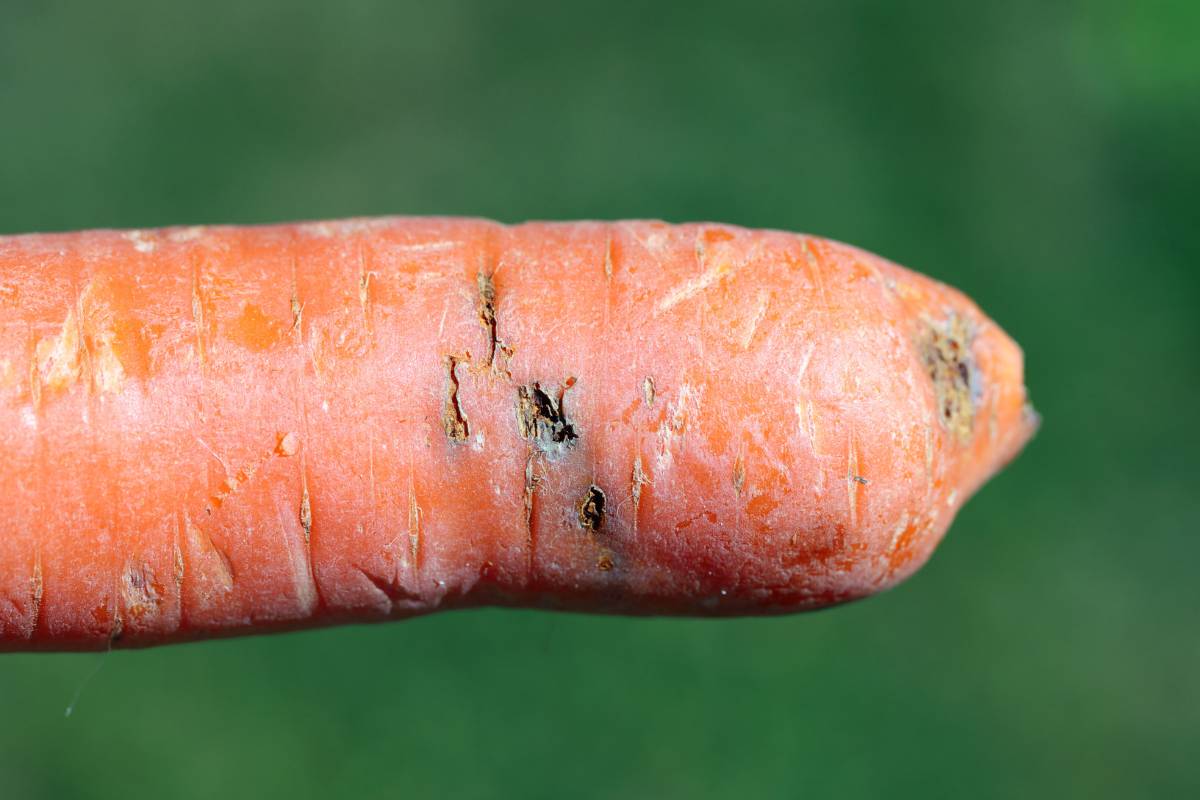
x: 739, y: 474
x: 604, y: 564
x: 540, y: 418
x: 453, y: 421
x: 946, y: 353
x: 591, y: 509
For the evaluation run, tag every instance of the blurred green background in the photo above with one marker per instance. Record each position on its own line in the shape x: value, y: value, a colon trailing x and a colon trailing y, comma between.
x: 1044, y: 157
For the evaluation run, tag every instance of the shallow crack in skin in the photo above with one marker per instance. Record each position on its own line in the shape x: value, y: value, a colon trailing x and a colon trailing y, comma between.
x: 487, y: 311
x: 945, y: 351
x: 453, y: 420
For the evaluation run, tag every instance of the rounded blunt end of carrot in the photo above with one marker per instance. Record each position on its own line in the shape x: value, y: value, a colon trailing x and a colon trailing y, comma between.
x: 909, y: 402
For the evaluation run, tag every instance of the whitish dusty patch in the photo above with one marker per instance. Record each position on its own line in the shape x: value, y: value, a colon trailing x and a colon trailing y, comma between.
x: 142, y: 241
x: 58, y: 357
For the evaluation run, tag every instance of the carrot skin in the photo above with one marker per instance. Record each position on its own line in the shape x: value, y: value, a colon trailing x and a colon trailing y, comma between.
x: 230, y: 430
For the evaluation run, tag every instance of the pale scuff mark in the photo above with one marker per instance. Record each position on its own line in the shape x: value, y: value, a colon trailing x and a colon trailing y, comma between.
x: 414, y: 528
x: 814, y: 267
x: 928, y: 461
x: 58, y: 358
x: 299, y: 558
x: 442, y: 322
x: 36, y: 587
x: 322, y: 230
x: 8, y: 375
x: 743, y: 334
x: 316, y: 351
x: 177, y: 558
x: 99, y: 337
x: 805, y: 360
x: 187, y: 234
x: 209, y: 559
x: 693, y: 287
x: 344, y: 227
x: 383, y: 588
x: 224, y: 464
x: 364, y: 290
x: 805, y: 414
x: 288, y: 445
x: 637, y: 481
x: 812, y: 424
x: 679, y: 416
x: 429, y: 247
x: 198, y: 317
x: 852, y: 479
x: 648, y: 391
x: 371, y: 467
x: 142, y: 241
x: 897, y: 533
x: 709, y: 275
x: 608, y: 259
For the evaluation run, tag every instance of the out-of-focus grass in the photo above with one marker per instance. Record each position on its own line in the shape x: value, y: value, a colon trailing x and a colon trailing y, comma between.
x: 1041, y: 157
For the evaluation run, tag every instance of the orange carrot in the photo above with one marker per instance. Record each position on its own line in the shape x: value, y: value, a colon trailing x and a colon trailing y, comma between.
x: 230, y: 430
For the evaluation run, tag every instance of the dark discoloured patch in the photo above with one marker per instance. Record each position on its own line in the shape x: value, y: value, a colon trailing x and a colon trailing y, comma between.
x: 541, y: 419
x: 604, y: 564
x: 739, y: 474
x: 453, y: 420
x: 945, y: 351
x: 859, y: 479
x: 487, y: 311
x: 591, y: 509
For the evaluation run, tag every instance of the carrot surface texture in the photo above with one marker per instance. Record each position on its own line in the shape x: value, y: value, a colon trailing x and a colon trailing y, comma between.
x: 211, y: 431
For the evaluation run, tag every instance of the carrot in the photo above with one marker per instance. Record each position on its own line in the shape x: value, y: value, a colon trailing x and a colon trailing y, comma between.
x: 230, y: 430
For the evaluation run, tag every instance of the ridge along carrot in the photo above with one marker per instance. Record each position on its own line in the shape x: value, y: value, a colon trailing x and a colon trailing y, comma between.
x: 227, y: 430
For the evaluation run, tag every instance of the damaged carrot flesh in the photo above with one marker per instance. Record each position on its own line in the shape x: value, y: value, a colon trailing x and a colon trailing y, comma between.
x: 212, y: 431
